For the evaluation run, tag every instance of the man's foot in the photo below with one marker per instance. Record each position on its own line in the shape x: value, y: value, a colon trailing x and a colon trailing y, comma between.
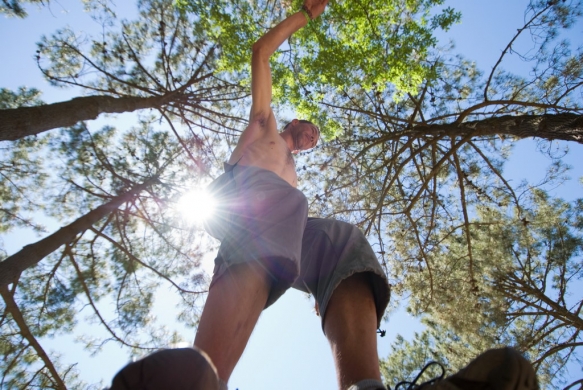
x: 495, y: 369
x: 169, y: 369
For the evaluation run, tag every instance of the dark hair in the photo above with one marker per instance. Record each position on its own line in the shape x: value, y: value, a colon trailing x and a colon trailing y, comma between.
x: 304, y: 121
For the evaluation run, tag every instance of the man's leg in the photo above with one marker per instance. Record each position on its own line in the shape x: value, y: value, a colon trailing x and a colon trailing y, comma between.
x: 231, y: 311
x: 350, y: 325
x: 341, y: 270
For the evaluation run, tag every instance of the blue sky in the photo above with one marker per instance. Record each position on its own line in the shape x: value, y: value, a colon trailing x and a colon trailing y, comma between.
x: 287, y: 349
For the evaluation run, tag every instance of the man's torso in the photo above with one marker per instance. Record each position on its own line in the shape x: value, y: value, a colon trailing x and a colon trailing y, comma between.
x: 268, y: 151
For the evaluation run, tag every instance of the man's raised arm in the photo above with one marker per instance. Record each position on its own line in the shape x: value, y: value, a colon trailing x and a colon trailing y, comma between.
x: 262, y: 51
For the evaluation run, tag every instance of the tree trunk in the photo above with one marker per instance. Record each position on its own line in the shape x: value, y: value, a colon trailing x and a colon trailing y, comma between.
x: 20, y: 122
x: 31, y: 254
x: 566, y: 127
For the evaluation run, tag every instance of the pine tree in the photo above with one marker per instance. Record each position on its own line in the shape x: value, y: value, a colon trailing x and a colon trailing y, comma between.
x: 113, y: 191
x: 163, y: 61
x: 122, y: 250
x: 15, y: 8
x: 519, y: 291
x: 417, y: 141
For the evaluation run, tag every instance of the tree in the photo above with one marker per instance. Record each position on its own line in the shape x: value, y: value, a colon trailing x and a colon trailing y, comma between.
x: 12, y: 266
x: 14, y: 8
x: 157, y: 62
x: 414, y: 171
x: 527, y: 266
x: 132, y: 242
x: 20, y: 122
x: 118, y: 253
x: 416, y: 151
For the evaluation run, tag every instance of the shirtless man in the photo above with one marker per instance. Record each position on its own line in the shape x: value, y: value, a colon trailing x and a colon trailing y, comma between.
x: 243, y: 287
x: 262, y: 246
x: 268, y: 245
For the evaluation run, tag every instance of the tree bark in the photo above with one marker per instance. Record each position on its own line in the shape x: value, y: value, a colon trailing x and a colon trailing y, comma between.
x: 566, y: 127
x: 31, y: 254
x: 20, y: 122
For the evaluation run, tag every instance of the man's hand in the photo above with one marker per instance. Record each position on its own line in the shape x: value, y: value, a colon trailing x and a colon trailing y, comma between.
x: 315, y: 7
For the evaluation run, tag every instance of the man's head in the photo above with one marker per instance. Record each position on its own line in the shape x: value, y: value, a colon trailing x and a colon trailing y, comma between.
x: 301, y: 135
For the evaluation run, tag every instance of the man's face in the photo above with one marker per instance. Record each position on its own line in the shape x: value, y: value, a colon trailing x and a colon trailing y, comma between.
x: 305, y: 136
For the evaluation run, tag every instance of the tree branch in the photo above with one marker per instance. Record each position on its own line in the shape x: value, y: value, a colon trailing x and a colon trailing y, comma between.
x: 13, y: 309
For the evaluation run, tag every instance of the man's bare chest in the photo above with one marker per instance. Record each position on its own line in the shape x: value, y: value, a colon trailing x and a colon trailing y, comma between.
x: 271, y: 154
x: 274, y: 150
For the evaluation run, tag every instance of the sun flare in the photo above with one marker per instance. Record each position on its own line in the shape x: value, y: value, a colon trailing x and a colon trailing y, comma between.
x: 195, y: 206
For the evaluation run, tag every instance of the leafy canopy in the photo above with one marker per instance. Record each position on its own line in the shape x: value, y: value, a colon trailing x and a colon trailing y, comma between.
x: 375, y: 44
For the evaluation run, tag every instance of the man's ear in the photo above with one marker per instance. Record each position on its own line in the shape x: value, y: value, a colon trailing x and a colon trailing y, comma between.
x: 294, y: 122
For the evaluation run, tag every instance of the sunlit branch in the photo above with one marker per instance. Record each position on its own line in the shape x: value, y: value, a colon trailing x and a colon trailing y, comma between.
x: 509, y: 46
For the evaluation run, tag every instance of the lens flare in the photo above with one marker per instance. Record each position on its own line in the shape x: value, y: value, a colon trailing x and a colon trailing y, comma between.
x: 195, y: 206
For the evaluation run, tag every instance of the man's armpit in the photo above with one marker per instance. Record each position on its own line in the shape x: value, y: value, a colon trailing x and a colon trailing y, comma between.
x: 261, y: 118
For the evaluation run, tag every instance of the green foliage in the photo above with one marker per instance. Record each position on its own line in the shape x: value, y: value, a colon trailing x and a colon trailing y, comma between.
x: 514, y: 288
x: 434, y: 344
x: 21, y: 169
x: 15, y: 8
x: 375, y: 45
x: 25, y: 97
x: 234, y: 25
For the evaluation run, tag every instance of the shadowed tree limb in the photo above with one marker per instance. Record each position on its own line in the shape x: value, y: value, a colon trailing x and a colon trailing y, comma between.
x: 20, y: 122
x: 566, y: 127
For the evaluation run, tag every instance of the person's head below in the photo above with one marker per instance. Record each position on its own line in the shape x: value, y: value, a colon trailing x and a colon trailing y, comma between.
x: 301, y: 135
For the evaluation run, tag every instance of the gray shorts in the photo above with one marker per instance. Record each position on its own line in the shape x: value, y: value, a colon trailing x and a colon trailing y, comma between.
x: 333, y: 251
x: 265, y: 223
x: 268, y: 223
